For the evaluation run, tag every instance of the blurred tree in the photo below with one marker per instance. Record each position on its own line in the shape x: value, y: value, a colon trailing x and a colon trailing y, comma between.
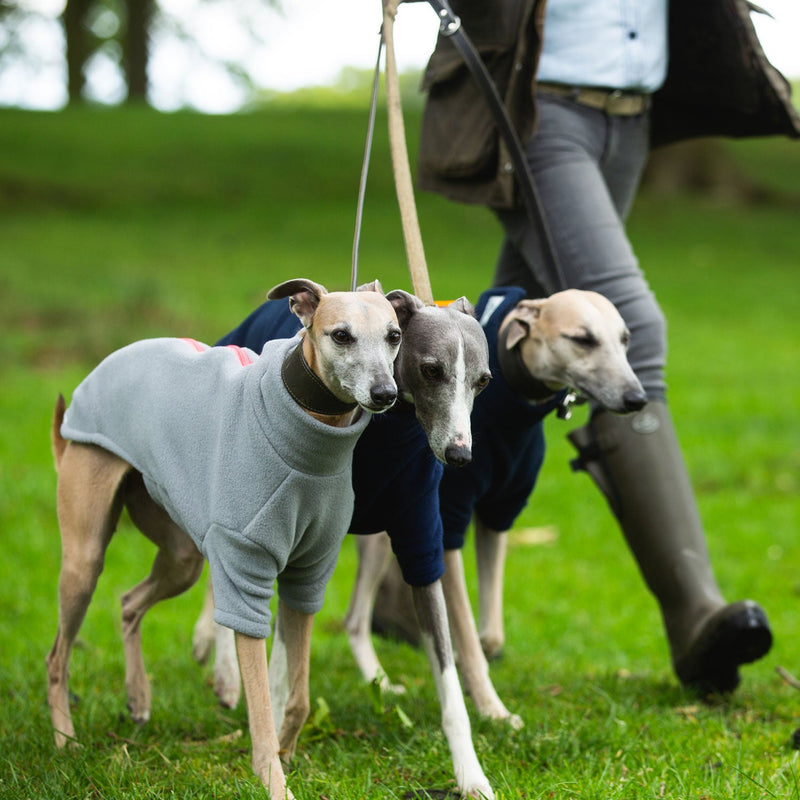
x: 79, y: 46
x: 136, y: 48
x: 703, y: 167
x: 119, y: 31
x: 11, y: 18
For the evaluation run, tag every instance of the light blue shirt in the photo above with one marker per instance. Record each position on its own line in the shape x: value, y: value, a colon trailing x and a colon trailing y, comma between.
x: 616, y: 45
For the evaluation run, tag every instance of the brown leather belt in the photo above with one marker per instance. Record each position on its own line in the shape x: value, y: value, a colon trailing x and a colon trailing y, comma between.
x: 613, y: 102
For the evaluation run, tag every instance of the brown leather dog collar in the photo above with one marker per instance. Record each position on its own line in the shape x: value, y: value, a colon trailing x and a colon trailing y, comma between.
x: 517, y: 375
x: 307, y: 389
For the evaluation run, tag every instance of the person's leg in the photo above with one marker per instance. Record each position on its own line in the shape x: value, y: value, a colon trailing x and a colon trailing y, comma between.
x: 587, y: 170
x: 636, y: 462
x: 573, y: 156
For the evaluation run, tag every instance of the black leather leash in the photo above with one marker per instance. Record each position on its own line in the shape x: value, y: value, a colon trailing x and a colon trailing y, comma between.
x: 450, y: 26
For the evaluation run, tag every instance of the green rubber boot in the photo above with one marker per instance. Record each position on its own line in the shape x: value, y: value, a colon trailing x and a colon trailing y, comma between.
x: 636, y: 462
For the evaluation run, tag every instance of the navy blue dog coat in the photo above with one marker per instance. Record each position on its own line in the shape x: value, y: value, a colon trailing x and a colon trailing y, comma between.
x: 507, y: 442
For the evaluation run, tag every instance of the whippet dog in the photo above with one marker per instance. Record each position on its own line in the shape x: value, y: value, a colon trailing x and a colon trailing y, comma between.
x: 574, y: 339
x: 443, y: 364
x: 239, y: 457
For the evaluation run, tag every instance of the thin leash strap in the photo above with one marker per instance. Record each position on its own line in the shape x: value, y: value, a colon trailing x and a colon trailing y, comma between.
x: 415, y: 252
x: 450, y: 26
x: 362, y: 186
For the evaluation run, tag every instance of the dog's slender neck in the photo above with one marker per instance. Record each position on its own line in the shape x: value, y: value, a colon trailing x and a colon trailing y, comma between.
x: 308, y: 390
x: 517, y: 375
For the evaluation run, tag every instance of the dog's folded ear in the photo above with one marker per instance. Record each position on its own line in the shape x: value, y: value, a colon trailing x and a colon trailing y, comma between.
x: 405, y: 305
x: 372, y: 286
x: 523, y: 317
x: 304, y: 296
x: 464, y: 306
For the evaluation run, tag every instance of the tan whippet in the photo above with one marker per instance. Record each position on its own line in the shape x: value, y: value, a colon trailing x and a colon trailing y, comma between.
x: 315, y: 394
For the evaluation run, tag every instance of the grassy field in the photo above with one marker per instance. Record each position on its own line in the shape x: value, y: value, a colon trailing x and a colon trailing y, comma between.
x: 117, y: 225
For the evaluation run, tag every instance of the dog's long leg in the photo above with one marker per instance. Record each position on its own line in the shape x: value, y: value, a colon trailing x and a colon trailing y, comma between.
x: 279, y: 674
x: 490, y: 549
x: 374, y: 556
x: 294, y: 638
x: 177, y: 566
x: 266, y: 761
x: 210, y: 635
x: 88, y: 510
x: 432, y: 616
x: 204, y: 635
x: 471, y: 661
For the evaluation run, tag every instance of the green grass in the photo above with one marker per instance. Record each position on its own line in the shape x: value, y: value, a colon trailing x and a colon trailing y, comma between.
x: 116, y: 225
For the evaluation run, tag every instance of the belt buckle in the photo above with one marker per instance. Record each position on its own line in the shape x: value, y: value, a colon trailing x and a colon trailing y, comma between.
x: 611, y: 99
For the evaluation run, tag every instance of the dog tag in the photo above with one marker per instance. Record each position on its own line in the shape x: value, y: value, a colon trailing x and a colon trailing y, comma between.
x: 565, y: 409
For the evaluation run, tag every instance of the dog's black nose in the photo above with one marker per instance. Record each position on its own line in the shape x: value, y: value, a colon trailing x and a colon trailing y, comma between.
x: 457, y: 455
x: 634, y: 399
x: 383, y: 395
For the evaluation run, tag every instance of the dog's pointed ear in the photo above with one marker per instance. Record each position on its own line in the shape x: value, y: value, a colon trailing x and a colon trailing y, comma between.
x: 464, y: 306
x: 304, y: 296
x: 372, y: 286
x: 516, y: 331
x: 523, y: 318
x: 405, y: 306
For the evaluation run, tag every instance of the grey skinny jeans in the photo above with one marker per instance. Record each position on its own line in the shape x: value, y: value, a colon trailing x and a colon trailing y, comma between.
x: 587, y: 166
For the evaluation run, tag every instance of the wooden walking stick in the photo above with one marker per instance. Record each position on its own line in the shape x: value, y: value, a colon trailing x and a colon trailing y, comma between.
x: 415, y: 252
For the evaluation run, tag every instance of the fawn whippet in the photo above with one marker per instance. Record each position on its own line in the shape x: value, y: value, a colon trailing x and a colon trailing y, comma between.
x: 244, y: 458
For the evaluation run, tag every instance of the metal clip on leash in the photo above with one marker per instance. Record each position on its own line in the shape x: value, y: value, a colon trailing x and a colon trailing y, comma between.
x: 449, y: 23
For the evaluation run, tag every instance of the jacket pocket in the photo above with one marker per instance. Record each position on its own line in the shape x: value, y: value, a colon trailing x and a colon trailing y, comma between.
x: 458, y: 136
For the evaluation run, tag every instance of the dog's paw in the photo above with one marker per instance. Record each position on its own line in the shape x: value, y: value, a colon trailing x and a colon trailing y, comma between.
x: 228, y: 692
x: 516, y: 722
x: 139, y: 715
x: 202, y: 644
x: 139, y: 701
x: 479, y: 791
x: 273, y: 778
x: 392, y: 688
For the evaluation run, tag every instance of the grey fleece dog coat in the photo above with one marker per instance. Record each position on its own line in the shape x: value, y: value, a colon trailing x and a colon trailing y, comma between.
x: 262, y: 488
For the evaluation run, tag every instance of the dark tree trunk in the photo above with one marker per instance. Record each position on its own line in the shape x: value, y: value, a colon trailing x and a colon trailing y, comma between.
x: 700, y: 166
x: 136, y: 47
x: 78, y: 47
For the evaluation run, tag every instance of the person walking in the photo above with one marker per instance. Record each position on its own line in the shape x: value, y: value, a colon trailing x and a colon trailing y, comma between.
x: 591, y: 87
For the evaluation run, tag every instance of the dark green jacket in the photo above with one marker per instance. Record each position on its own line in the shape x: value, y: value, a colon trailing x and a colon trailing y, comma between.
x: 719, y: 82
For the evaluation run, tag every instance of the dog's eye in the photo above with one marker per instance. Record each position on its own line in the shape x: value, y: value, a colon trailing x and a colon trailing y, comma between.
x: 341, y: 336
x: 483, y: 381
x: 432, y: 372
x: 626, y: 339
x: 394, y: 338
x: 584, y: 340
